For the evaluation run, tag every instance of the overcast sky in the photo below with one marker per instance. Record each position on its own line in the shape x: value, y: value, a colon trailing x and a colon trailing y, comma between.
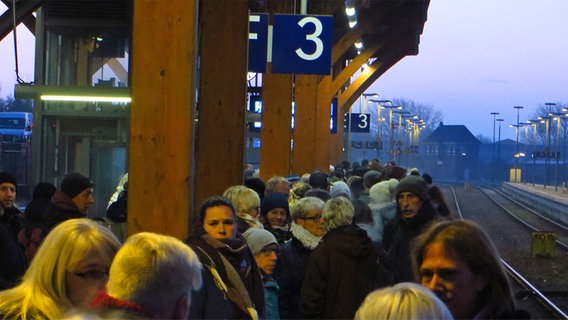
x: 483, y: 56
x: 475, y: 57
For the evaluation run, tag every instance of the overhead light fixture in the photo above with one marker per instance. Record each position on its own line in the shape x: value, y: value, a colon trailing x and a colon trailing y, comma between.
x: 359, y: 45
x: 352, y: 22
x: 72, y: 93
x: 51, y: 97
x: 350, y: 8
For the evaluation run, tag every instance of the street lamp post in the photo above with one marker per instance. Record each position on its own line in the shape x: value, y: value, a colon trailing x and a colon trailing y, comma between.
x: 564, y: 110
x: 494, y: 116
x: 365, y: 102
x: 546, y: 120
x: 379, y: 119
x: 517, y: 145
x: 548, y: 146
x: 398, y: 143
x: 499, y: 140
x: 405, y: 119
x: 391, y: 138
x: 558, y: 117
x: 534, y: 124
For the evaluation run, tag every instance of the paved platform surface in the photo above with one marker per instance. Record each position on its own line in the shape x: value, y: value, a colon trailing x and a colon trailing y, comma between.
x: 560, y: 195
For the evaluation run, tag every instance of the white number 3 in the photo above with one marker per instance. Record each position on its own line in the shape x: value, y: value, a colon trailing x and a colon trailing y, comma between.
x: 311, y: 37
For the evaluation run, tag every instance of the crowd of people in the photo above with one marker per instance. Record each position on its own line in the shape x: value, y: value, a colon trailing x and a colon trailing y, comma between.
x: 366, y: 241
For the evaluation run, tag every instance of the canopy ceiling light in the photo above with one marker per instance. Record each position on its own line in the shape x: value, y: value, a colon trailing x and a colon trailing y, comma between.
x: 70, y: 93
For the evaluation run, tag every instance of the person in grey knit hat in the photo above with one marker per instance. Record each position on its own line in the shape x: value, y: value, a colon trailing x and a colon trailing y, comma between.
x: 414, y: 213
x: 262, y: 242
x: 340, y: 188
x: 265, y: 250
x: 413, y: 184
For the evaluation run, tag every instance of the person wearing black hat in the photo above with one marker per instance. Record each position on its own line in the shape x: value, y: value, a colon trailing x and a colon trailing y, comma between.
x: 13, y: 262
x: 414, y: 213
x: 275, y: 216
x: 71, y: 200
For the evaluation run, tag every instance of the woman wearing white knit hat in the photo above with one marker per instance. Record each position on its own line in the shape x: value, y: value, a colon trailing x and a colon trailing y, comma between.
x: 383, y: 205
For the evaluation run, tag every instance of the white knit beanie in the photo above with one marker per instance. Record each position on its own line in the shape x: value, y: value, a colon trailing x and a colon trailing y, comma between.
x: 383, y: 192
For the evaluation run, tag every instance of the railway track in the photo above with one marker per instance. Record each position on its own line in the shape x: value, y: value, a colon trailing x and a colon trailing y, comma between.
x: 531, y: 218
x: 541, y: 283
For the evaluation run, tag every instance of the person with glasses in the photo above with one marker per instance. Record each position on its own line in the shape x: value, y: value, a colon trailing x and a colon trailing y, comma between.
x: 307, y: 230
x: 265, y: 249
x: 69, y: 268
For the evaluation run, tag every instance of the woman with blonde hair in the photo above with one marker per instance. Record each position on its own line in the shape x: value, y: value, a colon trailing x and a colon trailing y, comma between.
x: 297, y: 192
x: 247, y: 206
x: 70, y: 267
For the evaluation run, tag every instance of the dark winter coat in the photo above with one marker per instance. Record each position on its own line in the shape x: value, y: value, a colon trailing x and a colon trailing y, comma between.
x: 13, y: 262
x: 214, y: 302
x: 33, y: 232
x: 398, y: 236
x: 61, y: 209
x: 117, y: 210
x: 291, y: 268
x: 341, y: 272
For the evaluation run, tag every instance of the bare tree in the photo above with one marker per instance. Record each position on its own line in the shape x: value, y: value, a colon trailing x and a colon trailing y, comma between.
x: 426, y: 112
x: 550, y: 121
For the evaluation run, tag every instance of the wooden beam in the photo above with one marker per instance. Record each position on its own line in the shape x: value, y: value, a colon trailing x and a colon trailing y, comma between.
x: 305, y: 124
x: 275, y: 135
x: 367, y: 78
x: 162, y: 116
x: 118, y: 70
x: 222, y: 97
x: 24, y: 10
x: 323, y: 143
x: 355, y: 65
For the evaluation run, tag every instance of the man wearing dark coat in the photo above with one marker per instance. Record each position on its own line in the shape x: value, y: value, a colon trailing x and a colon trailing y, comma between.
x: 13, y: 263
x: 414, y: 212
x: 71, y: 200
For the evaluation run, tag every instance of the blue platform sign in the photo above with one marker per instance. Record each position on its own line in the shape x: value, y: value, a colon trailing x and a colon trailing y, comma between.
x: 360, y: 122
x: 302, y: 44
x: 258, y: 42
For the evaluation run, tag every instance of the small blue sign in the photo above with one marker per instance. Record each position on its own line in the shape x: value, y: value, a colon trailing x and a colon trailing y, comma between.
x: 302, y: 44
x: 258, y: 42
x: 360, y: 122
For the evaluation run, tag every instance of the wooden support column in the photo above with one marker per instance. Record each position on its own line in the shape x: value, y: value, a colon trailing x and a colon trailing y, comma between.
x: 162, y: 112
x: 314, y: 145
x: 222, y: 97
x: 324, y: 152
x: 276, y: 129
x: 305, y: 124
